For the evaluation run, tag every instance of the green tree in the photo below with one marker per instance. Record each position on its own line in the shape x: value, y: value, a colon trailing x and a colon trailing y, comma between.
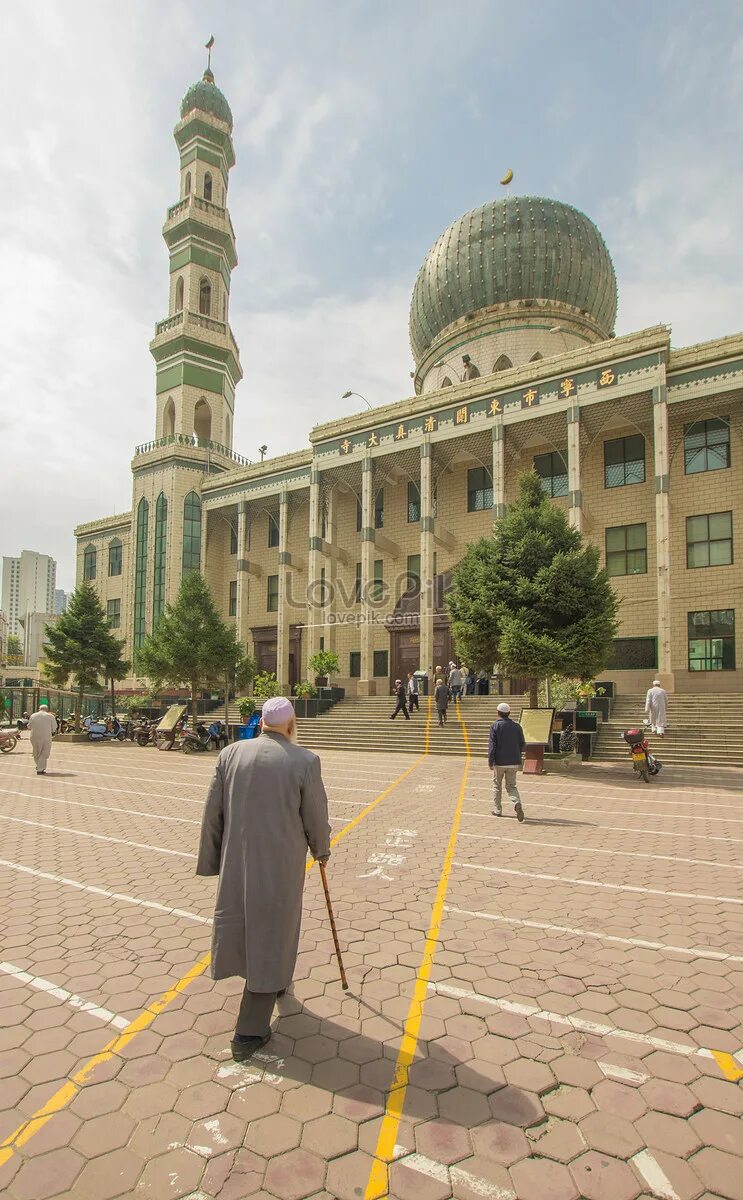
x: 532, y: 598
x: 15, y: 646
x: 81, y: 646
x: 192, y: 646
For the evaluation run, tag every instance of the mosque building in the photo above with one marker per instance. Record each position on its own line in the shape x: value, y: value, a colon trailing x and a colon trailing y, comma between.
x: 348, y: 544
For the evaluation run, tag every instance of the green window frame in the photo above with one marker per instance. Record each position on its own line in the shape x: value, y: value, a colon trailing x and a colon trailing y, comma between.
x: 113, y: 613
x: 232, y: 606
x: 323, y: 588
x: 707, y: 445
x: 379, y: 509
x: 274, y: 532
x: 158, y: 570
x: 140, y: 573
x: 414, y: 502
x: 624, y: 461
x: 627, y: 550
x: 377, y: 585
x: 89, y: 563
x: 115, y: 556
x: 357, y: 585
x: 479, y: 489
x: 413, y: 573
x: 381, y: 661
x: 272, y: 593
x: 354, y: 664
x: 711, y: 640
x: 191, y: 557
x: 552, y: 470
x: 709, y: 540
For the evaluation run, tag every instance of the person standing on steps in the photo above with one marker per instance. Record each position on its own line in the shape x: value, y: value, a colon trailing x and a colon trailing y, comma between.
x: 42, y: 726
x: 413, y: 701
x: 401, y: 705
x: 456, y: 680
x: 441, y: 697
x: 505, y: 747
x: 655, y: 708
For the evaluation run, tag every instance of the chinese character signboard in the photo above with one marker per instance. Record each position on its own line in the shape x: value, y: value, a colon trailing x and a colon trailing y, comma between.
x: 606, y: 377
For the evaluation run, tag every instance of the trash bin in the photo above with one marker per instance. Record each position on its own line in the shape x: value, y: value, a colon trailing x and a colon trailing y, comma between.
x: 421, y: 678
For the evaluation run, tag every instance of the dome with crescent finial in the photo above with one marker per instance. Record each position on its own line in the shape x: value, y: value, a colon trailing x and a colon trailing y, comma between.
x: 206, y: 96
x: 512, y: 252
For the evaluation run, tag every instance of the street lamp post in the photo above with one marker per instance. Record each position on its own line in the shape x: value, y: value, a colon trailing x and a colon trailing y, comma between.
x: 346, y: 396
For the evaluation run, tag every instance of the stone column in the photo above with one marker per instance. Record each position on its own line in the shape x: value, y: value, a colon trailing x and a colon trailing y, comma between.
x: 426, y: 553
x: 499, y: 471
x: 367, y: 686
x: 282, y: 617
x: 314, y: 608
x: 242, y: 574
x: 662, y: 531
x: 575, y: 497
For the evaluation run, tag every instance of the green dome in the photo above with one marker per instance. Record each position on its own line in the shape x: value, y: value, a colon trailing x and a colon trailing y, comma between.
x: 519, y: 248
x: 206, y: 96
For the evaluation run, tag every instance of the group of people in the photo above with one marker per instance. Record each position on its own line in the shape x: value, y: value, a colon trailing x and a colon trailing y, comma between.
x: 452, y: 685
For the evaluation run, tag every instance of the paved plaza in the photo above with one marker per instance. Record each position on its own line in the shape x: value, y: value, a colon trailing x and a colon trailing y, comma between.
x: 543, y: 1011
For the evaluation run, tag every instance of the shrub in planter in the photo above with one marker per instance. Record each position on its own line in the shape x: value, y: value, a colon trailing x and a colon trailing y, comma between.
x: 325, y: 663
x: 305, y: 690
x: 266, y: 685
x: 246, y: 708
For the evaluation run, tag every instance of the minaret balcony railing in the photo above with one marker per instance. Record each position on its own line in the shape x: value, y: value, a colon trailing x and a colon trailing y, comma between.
x: 191, y: 318
x: 192, y: 443
x: 207, y: 206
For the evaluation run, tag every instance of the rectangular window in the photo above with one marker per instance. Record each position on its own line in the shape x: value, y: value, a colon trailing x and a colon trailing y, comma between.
x: 89, y: 563
x: 273, y: 531
x: 707, y: 445
x: 357, y: 585
x: 114, y: 558
x: 113, y: 612
x: 553, y: 473
x: 379, y: 509
x: 627, y: 550
x: 381, y: 661
x: 323, y: 588
x: 324, y: 522
x: 624, y: 461
x: 233, y: 540
x: 414, y: 573
x: 633, y: 654
x: 414, y: 502
x: 377, y: 588
x: 479, y: 489
x: 272, y: 593
x: 359, y: 515
x: 712, y: 640
x: 709, y: 540
x: 232, y: 610
x: 354, y: 664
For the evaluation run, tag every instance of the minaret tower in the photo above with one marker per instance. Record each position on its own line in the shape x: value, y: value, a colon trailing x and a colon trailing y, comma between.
x: 198, y: 362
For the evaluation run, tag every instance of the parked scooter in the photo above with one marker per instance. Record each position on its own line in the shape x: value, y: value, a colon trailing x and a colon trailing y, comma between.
x: 144, y: 733
x: 200, y: 739
x: 9, y: 739
x: 104, y: 731
x: 643, y: 762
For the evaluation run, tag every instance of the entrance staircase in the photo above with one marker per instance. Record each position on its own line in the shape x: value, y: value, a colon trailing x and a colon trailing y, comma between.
x: 703, y: 730
x: 363, y: 724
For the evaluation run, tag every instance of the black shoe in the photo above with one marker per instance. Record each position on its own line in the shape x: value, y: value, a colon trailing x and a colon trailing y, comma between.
x: 244, y: 1047
x: 281, y: 993
x: 519, y: 812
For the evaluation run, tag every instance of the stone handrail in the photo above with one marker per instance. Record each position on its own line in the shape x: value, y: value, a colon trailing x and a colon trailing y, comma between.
x: 194, y: 443
x: 199, y: 202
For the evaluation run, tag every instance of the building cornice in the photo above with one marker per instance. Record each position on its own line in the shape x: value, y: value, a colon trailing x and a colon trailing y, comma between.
x: 260, y: 471
x: 104, y: 525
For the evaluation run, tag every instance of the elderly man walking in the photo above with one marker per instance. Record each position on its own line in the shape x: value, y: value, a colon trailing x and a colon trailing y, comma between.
x: 266, y: 806
x: 504, y: 759
x: 655, y: 708
x: 42, y: 726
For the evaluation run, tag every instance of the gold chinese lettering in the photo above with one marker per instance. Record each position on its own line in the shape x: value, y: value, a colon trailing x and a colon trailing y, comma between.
x: 495, y: 407
x: 345, y: 446
x: 567, y: 387
x: 607, y: 377
x: 530, y: 396
x: 373, y: 439
x: 430, y: 424
x: 461, y: 416
x: 401, y: 433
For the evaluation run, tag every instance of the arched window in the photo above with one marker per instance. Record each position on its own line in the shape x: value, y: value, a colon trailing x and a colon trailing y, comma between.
x: 169, y: 418
x: 202, y: 421
x: 191, y: 557
x: 140, y: 573
x: 179, y: 294
x: 446, y: 382
x: 205, y: 297
x: 536, y: 357
x: 115, y: 551
x: 227, y: 432
x: 502, y: 363
x: 207, y: 186
x: 158, y: 575
x: 224, y: 308
x: 187, y: 188
x: 89, y: 560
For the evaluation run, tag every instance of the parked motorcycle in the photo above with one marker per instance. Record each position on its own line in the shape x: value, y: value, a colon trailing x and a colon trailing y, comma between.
x: 200, y: 739
x: 144, y: 733
x: 643, y: 762
x: 101, y: 731
x: 9, y: 739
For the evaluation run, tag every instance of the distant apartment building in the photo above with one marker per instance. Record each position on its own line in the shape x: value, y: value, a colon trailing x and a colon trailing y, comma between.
x: 60, y: 602
x: 28, y: 587
x: 3, y: 637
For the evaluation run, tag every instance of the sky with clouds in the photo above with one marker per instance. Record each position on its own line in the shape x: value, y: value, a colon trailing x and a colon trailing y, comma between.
x: 362, y: 129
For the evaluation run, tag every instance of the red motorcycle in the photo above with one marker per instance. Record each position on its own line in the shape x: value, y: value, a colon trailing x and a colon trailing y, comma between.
x: 643, y: 762
x: 9, y: 739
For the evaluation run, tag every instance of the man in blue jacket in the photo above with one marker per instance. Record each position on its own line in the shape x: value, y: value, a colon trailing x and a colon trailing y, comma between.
x: 505, y: 745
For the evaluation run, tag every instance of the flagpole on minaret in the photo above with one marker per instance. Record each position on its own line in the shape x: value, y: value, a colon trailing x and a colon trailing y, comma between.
x: 209, y: 45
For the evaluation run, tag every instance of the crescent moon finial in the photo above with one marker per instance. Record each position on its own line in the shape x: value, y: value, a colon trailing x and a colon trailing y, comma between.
x: 507, y: 177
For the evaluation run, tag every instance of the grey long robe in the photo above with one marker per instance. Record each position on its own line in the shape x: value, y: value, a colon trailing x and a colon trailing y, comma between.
x: 655, y: 707
x: 41, y: 726
x: 266, y: 805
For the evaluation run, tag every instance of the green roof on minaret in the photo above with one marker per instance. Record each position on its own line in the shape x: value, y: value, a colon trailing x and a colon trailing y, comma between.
x: 206, y: 96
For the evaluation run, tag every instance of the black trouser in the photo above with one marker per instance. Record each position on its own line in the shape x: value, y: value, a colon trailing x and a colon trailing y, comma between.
x: 442, y: 716
x: 254, y: 1017
x: 400, y: 708
x: 414, y: 701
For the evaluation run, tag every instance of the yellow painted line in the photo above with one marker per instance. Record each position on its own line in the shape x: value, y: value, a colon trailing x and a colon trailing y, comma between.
x: 378, y: 1183
x: 728, y: 1065
x: 67, y: 1092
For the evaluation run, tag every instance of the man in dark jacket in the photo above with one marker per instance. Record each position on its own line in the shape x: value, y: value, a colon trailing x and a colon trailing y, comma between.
x: 401, y: 701
x: 504, y: 759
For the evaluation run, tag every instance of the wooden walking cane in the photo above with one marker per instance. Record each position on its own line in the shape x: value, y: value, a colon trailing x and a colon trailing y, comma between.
x: 324, y: 877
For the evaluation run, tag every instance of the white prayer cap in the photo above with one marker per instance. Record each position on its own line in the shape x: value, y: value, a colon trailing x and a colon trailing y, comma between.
x: 277, y: 711
x: 504, y: 708
x: 43, y: 704
x: 656, y: 683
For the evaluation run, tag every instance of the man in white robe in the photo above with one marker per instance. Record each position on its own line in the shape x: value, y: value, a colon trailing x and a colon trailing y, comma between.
x: 42, y: 725
x: 265, y: 808
x: 655, y: 708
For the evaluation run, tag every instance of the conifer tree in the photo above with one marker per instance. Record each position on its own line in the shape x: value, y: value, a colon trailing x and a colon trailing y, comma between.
x: 533, y: 598
x: 192, y: 646
x: 82, y: 645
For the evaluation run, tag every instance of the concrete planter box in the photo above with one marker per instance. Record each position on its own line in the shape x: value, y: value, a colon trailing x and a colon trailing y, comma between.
x: 556, y: 763
x: 601, y: 704
x: 77, y: 737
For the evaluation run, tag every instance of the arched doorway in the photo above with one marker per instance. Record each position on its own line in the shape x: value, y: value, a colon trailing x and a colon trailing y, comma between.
x: 202, y: 421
